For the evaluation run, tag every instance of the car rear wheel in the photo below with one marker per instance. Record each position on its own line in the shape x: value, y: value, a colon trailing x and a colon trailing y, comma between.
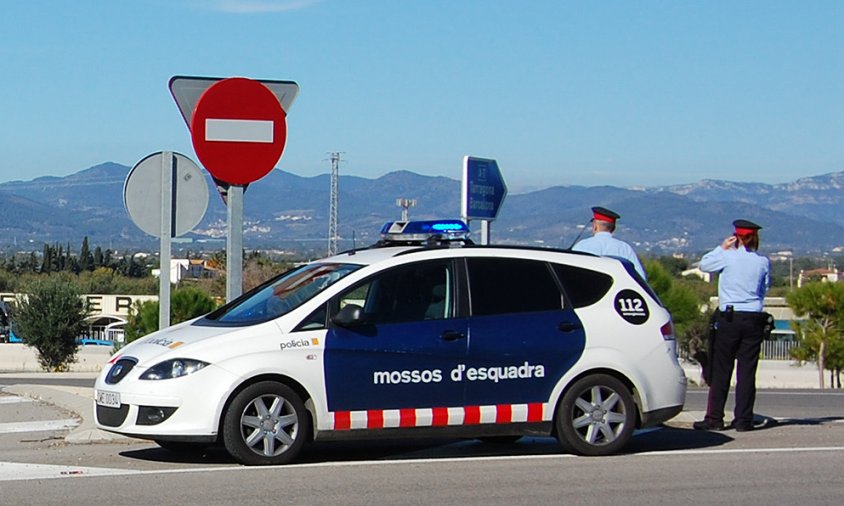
x: 266, y: 424
x: 596, y: 416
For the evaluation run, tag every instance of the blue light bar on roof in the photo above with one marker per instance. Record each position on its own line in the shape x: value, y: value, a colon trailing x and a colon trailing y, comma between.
x: 423, y: 230
x: 425, y: 227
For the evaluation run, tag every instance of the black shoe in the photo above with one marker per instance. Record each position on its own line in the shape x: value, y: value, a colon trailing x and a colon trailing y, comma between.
x: 707, y: 425
x: 741, y: 427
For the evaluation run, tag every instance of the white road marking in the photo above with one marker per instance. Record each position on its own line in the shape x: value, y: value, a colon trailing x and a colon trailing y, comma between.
x: 724, y: 451
x: 238, y: 130
x: 821, y: 393
x: 11, y: 471
x: 14, y: 400
x: 38, y: 426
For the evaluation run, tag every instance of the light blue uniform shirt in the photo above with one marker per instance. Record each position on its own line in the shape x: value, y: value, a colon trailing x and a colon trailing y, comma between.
x: 604, y: 244
x: 744, y: 278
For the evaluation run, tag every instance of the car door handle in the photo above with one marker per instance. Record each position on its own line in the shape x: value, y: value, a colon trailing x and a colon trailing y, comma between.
x: 450, y: 335
x: 568, y: 326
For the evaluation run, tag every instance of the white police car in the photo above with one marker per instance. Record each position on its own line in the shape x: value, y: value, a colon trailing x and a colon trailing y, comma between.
x: 404, y: 339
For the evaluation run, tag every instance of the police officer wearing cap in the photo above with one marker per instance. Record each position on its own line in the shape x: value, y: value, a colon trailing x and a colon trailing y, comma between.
x: 744, y: 279
x: 603, y: 243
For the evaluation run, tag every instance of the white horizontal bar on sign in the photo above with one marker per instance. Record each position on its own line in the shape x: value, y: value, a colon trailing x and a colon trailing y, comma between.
x: 238, y: 130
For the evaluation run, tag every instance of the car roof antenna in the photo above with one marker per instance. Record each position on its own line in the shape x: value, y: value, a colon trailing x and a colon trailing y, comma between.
x: 580, y: 234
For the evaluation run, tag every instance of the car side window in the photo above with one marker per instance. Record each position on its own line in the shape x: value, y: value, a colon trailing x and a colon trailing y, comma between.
x: 582, y: 286
x: 511, y: 285
x: 420, y: 291
x: 315, y: 321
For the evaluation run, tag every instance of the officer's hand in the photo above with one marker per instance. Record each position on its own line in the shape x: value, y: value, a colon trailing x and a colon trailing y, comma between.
x: 729, y: 242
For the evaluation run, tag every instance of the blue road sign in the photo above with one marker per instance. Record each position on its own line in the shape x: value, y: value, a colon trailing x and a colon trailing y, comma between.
x: 483, y: 189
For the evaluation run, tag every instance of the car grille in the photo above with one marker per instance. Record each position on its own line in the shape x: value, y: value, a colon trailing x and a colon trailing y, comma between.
x: 112, y: 417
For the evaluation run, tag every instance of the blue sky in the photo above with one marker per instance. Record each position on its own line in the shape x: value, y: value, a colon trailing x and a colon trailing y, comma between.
x: 627, y: 93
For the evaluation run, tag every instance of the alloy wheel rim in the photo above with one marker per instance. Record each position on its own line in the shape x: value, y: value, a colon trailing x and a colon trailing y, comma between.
x: 269, y: 425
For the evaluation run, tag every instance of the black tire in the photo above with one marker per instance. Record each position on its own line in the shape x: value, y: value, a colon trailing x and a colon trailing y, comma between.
x: 596, y: 416
x: 182, y: 446
x: 265, y: 424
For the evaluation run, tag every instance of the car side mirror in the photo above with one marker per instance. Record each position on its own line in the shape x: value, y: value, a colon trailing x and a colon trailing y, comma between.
x: 350, y: 316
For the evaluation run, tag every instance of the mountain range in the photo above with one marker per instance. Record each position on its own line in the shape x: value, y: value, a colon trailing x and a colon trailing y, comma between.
x: 289, y: 212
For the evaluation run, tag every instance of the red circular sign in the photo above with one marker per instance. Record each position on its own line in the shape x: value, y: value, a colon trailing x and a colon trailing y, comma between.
x: 238, y: 130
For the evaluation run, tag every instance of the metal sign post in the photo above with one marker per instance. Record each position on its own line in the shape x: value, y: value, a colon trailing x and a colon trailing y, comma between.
x: 166, y: 195
x: 234, y: 243
x: 168, y: 173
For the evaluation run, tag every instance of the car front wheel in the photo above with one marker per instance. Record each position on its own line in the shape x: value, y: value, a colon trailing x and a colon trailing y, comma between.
x: 266, y: 424
x: 596, y: 416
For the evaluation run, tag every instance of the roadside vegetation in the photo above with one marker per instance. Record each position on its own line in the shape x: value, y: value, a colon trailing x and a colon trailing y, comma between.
x: 687, y: 299
x: 50, y: 318
x: 49, y: 314
x: 185, y: 303
x: 819, y: 336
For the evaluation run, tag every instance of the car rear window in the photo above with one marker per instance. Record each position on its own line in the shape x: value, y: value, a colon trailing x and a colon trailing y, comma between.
x: 583, y: 287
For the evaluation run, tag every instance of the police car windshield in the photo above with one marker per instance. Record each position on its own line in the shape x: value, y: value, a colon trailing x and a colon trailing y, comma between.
x: 281, y: 295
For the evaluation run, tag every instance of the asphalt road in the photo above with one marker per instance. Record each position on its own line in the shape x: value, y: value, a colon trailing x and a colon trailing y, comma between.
x: 745, y: 469
x: 779, y: 403
x: 797, y: 460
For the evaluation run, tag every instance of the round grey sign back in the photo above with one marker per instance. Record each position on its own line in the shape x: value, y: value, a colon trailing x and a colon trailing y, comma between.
x: 143, y: 198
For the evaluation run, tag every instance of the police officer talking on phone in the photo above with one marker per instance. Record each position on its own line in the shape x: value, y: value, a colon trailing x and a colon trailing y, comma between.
x: 744, y: 279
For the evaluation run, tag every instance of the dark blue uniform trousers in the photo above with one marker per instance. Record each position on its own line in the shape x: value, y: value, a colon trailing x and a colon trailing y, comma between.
x: 738, y: 340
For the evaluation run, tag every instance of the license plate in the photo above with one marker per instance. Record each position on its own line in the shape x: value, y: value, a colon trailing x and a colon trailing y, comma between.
x: 108, y: 399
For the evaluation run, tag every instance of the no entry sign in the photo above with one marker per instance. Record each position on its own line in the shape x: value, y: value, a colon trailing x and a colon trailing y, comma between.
x: 239, y: 130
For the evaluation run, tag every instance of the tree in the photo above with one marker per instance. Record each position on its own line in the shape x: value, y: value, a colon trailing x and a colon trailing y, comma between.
x: 98, y: 260
x: 47, y: 259
x: 185, y: 304
x: 819, y: 337
x: 674, y: 265
x: 142, y: 320
x: 50, y: 318
x: 86, y: 259
x: 682, y: 303
x: 257, y: 268
x: 189, y: 302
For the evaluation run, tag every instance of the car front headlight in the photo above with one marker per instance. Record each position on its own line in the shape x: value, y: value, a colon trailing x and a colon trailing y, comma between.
x: 175, y: 368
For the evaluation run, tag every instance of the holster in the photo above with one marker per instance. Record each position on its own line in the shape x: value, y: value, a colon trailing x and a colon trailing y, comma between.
x: 768, y: 326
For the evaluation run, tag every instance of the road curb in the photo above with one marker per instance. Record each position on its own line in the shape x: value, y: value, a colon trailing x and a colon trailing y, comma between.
x: 77, y: 400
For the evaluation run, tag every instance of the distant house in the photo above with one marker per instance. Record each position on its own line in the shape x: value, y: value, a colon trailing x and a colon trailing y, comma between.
x: 830, y: 275
x: 191, y: 269
x: 695, y: 271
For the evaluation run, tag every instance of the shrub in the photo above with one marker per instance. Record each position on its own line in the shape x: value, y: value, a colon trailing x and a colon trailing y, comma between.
x: 185, y: 304
x: 50, y: 318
